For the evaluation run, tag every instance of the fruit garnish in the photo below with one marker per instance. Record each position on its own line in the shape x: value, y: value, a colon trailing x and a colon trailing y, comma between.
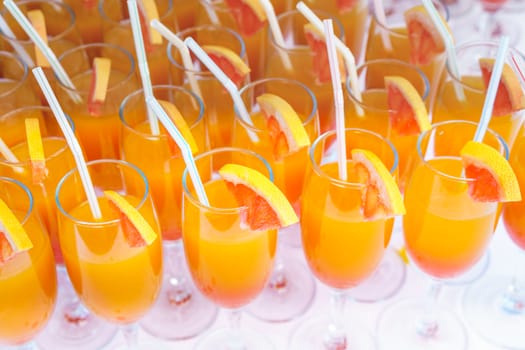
x: 321, y: 64
x: 381, y: 197
x: 249, y: 15
x: 285, y: 128
x: 38, y: 21
x: 181, y: 125
x: 424, y: 38
x: 407, y: 111
x: 493, y: 179
x: 137, y: 230
x: 99, y: 85
x: 229, y: 62
x: 509, y: 97
x: 266, y: 206
x: 148, y: 12
x: 37, y: 158
x: 346, y: 5
x: 13, y: 237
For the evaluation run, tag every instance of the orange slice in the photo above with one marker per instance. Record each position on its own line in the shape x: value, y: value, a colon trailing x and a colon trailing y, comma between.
x: 99, y: 85
x: 509, y: 97
x: 36, y: 150
x: 137, y: 230
x: 229, y: 62
x: 381, y: 197
x: 407, y: 111
x: 424, y: 38
x: 13, y: 237
x: 249, y: 15
x: 284, y: 125
x: 346, y: 5
x: 493, y: 177
x: 148, y: 12
x: 181, y: 125
x: 38, y: 21
x: 321, y: 64
x: 266, y: 206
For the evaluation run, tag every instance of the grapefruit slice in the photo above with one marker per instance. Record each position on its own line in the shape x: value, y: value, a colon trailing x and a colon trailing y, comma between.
x: 284, y: 125
x: 266, y: 206
x: 13, y: 237
x: 229, y: 62
x: 181, y: 125
x: 137, y: 230
x: 381, y: 197
x: 36, y: 150
x: 346, y: 5
x: 493, y: 177
x: 99, y: 85
x: 509, y: 97
x: 249, y: 15
x: 148, y: 12
x: 38, y: 21
x: 407, y: 111
x: 424, y: 38
x: 321, y: 64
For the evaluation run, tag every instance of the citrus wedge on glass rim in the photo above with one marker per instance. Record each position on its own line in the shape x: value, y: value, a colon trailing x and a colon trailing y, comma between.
x: 285, y: 128
x: 249, y: 15
x: 35, y: 147
x: 493, y: 179
x: 407, y: 112
x: 229, y: 62
x: 13, y: 237
x: 266, y: 206
x: 180, y: 123
x: 381, y: 197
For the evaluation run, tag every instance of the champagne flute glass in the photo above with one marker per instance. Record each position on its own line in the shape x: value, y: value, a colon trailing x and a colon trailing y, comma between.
x: 446, y: 232
x: 491, y: 27
x: 28, y: 282
x: 291, y: 288
x: 342, y: 248
x: 181, y: 311
x: 116, y: 280
x: 229, y: 263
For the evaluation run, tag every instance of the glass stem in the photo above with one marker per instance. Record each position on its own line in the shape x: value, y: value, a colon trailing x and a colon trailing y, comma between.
x: 234, y: 322
x: 488, y: 25
x: 278, y: 280
x: 131, y: 335
x: 179, y: 291
x: 513, y: 300
x: 427, y: 325
x: 335, y: 338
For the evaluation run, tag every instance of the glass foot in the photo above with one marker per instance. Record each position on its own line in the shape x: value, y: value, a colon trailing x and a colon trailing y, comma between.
x: 222, y: 339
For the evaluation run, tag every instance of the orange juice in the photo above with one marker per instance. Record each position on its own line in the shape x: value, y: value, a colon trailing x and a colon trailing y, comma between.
x: 88, y: 19
x: 185, y: 11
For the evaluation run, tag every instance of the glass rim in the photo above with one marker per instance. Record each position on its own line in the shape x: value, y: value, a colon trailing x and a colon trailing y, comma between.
x: 126, y: 22
x: 27, y: 191
x: 25, y: 72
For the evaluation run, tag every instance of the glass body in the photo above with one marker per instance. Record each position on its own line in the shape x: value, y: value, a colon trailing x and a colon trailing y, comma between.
x: 88, y: 20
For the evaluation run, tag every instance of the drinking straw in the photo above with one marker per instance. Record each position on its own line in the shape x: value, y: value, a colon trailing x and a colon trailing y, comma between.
x: 48, y: 53
x: 488, y: 104
x: 338, y: 98
x: 19, y: 49
x: 183, y: 145
x: 381, y: 18
x: 225, y: 81
x: 142, y: 62
x: 276, y: 32
x: 183, y: 50
x: 449, y: 45
x: 7, y: 153
x: 343, y: 49
x: 212, y: 15
x: 72, y: 141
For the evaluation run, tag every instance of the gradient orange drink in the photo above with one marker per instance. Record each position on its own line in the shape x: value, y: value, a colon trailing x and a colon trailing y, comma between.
x: 185, y: 11
x: 28, y: 283
x: 218, y: 104
x: 114, y: 280
x: 446, y: 231
x: 229, y: 263
x: 342, y: 248
x: 98, y: 134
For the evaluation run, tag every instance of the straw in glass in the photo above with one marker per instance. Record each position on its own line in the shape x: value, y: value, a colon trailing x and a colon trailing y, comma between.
x: 276, y: 32
x: 19, y: 49
x: 381, y: 18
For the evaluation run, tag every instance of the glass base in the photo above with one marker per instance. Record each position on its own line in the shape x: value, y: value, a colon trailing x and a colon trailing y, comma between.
x: 485, y: 310
x: 222, y: 340
x: 289, y: 293
x: 311, y: 335
x: 473, y: 274
x: 398, y: 324
x: 384, y: 283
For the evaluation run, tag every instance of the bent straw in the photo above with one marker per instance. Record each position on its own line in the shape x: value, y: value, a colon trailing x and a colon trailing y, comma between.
x: 19, y: 49
x: 48, y: 53
x: 449, y: 44
x: 71, y: 141
x: 183, y: 145
x: 488, y: 104
x: 381, y: 18
x: 276, y: 32
x: 338, y: 98
x: 343, y: 49
x: 142, y: 62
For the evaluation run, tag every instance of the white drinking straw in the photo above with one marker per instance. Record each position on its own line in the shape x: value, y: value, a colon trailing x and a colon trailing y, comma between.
x: 7, y: 153
x: 19, y: 49
x: 142, y: 61
x: 381, y: 18
x: 183, y: 145
x: 495, y: 77
x: 343, y: 49
x: 212, y: 15
x: 71, y: 141
x: 276, y: 32
x: 48, y: 53
x: 338, y: 98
